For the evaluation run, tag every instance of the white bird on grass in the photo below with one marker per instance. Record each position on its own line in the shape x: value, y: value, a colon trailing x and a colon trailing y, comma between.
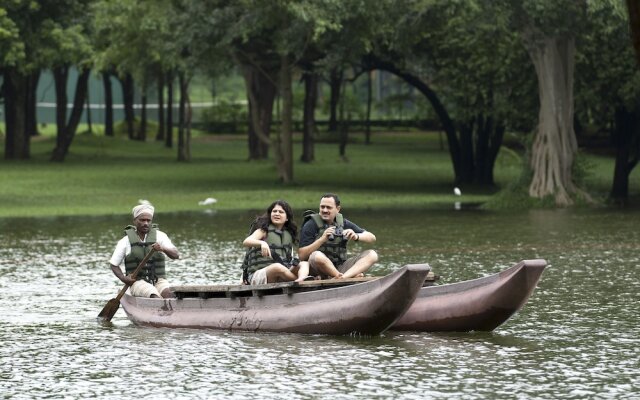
x: 208, y: 201
x: 457, y: 191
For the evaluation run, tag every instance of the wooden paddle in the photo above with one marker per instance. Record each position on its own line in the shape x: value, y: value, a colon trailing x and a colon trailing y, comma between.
x: 113, y: 305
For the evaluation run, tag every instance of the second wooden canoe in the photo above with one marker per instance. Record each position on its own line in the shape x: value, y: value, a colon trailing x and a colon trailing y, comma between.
x: 477, y: 305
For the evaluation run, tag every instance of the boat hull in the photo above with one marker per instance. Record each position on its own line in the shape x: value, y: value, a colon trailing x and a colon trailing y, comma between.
x: 367, y: 308
x: 477, y: 305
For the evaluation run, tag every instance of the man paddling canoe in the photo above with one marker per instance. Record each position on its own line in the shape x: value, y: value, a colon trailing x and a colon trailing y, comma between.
x: 139, y: 239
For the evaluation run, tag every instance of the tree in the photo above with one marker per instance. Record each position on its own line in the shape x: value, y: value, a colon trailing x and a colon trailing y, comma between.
x: 267, y: 39
x: 548, y: 32
x: 19, y: 61
x: 150, y: 42
x: 608, y: 87
x: 475, y: 62
x: 464, y: 59
x: 627, y: 135
x: 311, y: 80
x: 67, y: 44
x: 11, y: 45
x: 337, y: 54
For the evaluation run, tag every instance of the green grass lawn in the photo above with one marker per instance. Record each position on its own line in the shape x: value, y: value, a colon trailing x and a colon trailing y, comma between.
x: 109, y: 175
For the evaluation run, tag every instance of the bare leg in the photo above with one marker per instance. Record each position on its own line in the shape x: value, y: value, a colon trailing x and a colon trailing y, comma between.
x: 302, y: 270
x: 321, y: 263
x: 362, y: 265
x: 168, y: 294
x: 279, y: 273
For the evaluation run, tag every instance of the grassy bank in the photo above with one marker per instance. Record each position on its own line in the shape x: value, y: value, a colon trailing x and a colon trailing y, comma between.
x: 108, y: 175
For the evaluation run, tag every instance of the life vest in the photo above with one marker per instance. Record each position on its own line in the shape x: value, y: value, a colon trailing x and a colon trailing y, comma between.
x: 336, y: 249
x: 281, y: 244
x: 155, y: 266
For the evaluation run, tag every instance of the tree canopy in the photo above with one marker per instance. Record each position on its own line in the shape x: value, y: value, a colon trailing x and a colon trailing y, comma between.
x: 525, y: 66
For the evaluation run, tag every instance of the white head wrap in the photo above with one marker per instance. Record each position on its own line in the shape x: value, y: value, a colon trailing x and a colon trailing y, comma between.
x: 144, y: 208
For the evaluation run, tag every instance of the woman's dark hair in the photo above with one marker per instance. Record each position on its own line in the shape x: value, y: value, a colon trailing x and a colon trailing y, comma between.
x: 263, y: 221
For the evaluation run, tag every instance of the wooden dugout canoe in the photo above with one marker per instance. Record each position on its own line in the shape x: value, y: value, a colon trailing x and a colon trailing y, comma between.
x: 334, y: 307
x: 477, y: 305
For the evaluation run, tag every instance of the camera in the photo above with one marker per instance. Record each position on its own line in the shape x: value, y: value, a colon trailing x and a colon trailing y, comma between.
x: 337, y: 232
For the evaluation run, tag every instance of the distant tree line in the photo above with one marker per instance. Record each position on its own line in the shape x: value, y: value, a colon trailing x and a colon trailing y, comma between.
x: 544, y: 69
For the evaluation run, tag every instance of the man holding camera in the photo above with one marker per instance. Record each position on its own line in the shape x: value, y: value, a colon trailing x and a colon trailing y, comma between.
x: 324, y: 238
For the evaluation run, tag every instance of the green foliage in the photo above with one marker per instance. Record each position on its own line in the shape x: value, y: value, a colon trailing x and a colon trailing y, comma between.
x: 582, y: 168
x: 606, y: 72
x: 12, y: 48
x: 137, y: 36
x: 225, y: 116
x: 551, y: 17
x: 471, y: 57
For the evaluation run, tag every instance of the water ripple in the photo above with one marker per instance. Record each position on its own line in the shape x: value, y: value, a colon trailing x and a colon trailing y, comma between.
x: 577, y: 337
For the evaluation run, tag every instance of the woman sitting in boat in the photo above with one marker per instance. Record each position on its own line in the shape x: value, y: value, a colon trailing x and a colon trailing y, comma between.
x: 270, y: 255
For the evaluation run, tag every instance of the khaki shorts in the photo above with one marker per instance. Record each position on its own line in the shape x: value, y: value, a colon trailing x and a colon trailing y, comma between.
x: 344, y: 267
x: 259, y: 277
x: 142, y: 288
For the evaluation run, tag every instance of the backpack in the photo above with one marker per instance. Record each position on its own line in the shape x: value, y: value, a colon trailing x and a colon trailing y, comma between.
x: 307, y: 216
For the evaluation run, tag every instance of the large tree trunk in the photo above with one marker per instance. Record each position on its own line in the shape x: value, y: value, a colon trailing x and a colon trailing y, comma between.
x: 31, y: 112
x: 184, y: 120
x: 128, y: 97
x: 161, y: 129
x: 633, y: 7
x: 480, y: 141
x: 309, y: 123
x: 60, y: 77
x: 343, y: 126
x: 88, y: 110
x: 554, y: 146
x: 284, y: 154
x: 489, y: 137
x: 15, y: 88
x: 66, y: 134
x: 108, y: 104
x: 335, y: 84
x: 626, y: 129
x: 168, y: 138
x: 261, y: 92
x: 467, y: 159
x: 367, y: 128
x: 142, y: 129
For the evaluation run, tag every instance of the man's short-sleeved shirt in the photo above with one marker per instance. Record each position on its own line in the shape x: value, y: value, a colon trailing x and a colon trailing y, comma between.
x: 310, y: 230
x: 123, y: 248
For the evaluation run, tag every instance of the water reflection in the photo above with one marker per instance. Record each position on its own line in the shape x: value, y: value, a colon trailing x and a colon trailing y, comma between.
x: 576, y: 338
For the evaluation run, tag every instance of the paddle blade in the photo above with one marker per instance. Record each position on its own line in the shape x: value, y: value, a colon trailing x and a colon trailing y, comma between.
x: 109, y: 310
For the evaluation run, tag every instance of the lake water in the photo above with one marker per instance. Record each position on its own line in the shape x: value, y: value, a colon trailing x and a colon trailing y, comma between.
x: 577, y: 337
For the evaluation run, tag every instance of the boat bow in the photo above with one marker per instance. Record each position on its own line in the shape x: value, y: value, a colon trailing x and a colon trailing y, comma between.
x: 481, y: 304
